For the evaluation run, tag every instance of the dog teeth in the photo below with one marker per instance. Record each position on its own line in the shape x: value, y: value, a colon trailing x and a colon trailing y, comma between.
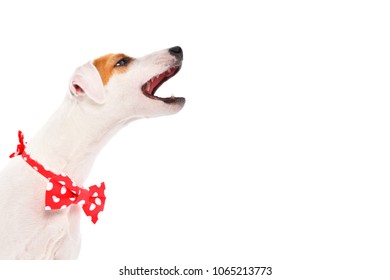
x: 148, y: 86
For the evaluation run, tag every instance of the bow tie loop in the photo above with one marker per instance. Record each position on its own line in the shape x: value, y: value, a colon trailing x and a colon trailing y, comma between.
x: 96, y: 201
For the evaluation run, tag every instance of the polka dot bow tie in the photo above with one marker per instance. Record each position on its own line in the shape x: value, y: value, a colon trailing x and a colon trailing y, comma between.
x: 61, y: 191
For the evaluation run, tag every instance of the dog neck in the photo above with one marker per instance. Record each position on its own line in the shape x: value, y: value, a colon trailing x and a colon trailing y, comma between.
x: 72, y: 138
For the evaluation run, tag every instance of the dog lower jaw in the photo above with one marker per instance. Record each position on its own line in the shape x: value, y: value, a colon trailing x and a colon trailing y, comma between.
x: 159, y: 108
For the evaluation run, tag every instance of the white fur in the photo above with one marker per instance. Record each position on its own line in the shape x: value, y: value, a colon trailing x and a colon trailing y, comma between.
x: 69, y: 143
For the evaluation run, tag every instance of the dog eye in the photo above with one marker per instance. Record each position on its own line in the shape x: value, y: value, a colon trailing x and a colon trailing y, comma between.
x: 123, y: 62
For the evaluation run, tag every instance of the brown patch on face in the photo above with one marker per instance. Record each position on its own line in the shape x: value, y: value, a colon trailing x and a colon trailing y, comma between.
x: 110, y: 64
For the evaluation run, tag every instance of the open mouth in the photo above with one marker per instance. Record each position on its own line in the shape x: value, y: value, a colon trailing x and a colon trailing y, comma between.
x: 150, y: 87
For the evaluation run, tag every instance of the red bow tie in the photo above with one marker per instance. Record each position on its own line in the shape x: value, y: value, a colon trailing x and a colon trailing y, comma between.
x: 61, y: 191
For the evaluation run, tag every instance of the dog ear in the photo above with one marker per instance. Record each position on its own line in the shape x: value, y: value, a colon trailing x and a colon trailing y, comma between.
x: 86, y: 80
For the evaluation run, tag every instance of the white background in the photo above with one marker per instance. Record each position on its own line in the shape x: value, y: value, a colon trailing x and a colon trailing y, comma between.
x: 280, y: 157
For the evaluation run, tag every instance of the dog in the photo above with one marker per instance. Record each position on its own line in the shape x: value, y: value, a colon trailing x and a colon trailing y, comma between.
x: 104, y: 96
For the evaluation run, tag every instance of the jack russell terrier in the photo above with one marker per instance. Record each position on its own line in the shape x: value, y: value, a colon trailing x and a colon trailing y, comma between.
x: 41, y: 192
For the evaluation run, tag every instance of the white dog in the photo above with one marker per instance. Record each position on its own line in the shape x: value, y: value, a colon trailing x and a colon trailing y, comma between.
x: 105, y: 95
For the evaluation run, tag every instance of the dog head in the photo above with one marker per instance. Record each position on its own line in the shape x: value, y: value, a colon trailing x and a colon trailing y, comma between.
x: 126, y: 87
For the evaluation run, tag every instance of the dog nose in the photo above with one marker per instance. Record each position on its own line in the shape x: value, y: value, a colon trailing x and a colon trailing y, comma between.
x: 176, y: 52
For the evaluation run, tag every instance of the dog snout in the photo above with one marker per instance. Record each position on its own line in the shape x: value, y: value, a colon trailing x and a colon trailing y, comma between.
x: 176, y: 52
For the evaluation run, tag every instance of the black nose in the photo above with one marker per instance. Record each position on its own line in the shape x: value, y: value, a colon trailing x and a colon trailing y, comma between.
x: 176, y: 52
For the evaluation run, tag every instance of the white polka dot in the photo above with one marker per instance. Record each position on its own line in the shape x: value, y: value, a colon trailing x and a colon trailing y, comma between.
x: 92, y: 207
x: 62, y: 183
x: 81, y: 202
x: 95, y: 194
x: 36, y: 168
x: 98, y: 201
x: 63, y: 206
x: 72, y: 199
x: 55, y: 199
x: 49, y: 186
x: 47, y: 208
x: 63, y: 190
